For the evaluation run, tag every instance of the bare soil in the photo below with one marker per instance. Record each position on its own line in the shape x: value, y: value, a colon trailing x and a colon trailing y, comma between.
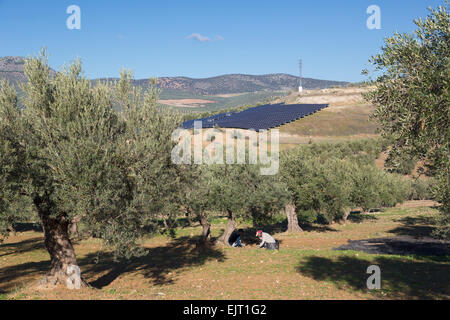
x: 307, y: 266
x: 186, y: 103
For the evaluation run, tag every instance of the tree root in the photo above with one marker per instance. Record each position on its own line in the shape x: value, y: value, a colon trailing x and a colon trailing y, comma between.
x: 71, y: 279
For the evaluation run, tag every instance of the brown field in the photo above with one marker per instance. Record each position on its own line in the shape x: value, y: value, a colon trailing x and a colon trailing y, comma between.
x: 187, y: 103
x: 229, y: 95
x: 346, y: 118
x: 306, y: 267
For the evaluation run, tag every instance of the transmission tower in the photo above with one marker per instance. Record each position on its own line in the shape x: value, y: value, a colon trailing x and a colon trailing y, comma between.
x: 300, y: 88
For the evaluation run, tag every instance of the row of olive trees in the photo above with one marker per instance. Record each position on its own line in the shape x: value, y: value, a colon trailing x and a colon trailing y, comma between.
x: 317, y: 183
x: 327, y: 186
x: 238, y: 190
x: 100, y: 156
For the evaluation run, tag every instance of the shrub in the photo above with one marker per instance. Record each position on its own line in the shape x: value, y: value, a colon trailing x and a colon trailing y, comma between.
x: 422, y: 189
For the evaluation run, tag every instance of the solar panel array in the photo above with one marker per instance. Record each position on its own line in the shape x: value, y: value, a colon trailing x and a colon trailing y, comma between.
x: 258, y: 118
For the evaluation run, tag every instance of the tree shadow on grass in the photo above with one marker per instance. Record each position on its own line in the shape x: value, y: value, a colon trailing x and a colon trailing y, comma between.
x: 400, y: 278
x: 417, y: 227
x: 317, y: 228
x: 15, y: 276
x: 27, y: 226
x: 21, y: 247
x: 401, y: 245
x: 156, y: 265
x: 357, y: 217
x: 159, y: 261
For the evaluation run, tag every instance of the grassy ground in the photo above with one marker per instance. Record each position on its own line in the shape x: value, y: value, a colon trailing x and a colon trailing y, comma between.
x: 346, y: 118
x: 306, y: 267
x: 343, y: 121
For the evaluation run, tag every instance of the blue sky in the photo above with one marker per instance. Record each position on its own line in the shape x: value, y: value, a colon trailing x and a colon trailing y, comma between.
x: 253, y: 37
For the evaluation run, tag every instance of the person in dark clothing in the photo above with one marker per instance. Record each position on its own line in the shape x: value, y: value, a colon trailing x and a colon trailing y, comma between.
x: 235, y: 239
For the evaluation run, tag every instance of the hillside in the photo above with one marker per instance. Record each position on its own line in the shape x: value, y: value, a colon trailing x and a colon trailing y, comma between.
x: 208, y: 94
x: 240, y: 83
x: 347, y: 117
x: 12, y: 69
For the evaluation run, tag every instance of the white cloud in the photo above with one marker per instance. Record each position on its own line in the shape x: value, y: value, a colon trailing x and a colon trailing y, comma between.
x: 219, y: 38
x: 199, y: 37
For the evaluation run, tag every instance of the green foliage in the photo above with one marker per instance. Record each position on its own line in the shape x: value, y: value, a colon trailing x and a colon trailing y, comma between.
x: 361, y: 151
x: 308, y: 216
x: 14, y: 206
x: 422, y: 189
x: 242, y: 190
x: 326, y: 181
x: 74, y: 155
x: 400, y: 163
x: 412, y: 97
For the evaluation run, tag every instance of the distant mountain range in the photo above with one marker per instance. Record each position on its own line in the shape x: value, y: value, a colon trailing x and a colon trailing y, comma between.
x: 240, y: 83
x: 12, y: 68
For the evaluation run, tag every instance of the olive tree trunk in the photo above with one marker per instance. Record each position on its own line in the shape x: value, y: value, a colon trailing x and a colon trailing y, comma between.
x: 73, y: 228
x: 231, y: 225
x: 292, y: 218
x: 64, y: 267
x: 344, y: 218
x: 206, y: 229
x: 188, y: 218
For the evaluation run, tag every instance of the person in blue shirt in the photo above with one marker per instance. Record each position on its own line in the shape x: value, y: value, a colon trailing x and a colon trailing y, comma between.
x: 235, y: 239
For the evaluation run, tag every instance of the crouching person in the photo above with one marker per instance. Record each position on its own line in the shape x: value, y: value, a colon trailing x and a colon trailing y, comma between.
x: 235, y: 239
x: 267, y: 241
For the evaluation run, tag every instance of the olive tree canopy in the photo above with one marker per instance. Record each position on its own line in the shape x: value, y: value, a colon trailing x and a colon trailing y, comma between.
x: 99, y: 153
x: 412, y: 98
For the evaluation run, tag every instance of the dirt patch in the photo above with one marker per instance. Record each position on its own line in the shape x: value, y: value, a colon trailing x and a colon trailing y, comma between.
x: 187, y: 103
x: 402, y: 245
x: 336, y: 96
x: 230, y: 95
x: 418, y: 203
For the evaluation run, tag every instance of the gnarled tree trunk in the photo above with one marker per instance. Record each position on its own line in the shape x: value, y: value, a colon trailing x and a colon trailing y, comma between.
x: 64, y: 267
x: 292, y: 218
x: 231, y: 225
x: 188, y: 218
x: 206, y: 232
x: 345, y: 216
x: 73, y: 228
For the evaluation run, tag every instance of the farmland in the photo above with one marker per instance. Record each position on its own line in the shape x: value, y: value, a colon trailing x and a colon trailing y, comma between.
x: 306, y: 267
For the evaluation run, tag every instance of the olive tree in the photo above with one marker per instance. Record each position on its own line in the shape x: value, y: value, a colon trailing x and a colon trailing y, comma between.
x: 98, y: 154
x: 241, y: 191
x: 198, y: 197
x: 412, y: 98
x: 327, y: 186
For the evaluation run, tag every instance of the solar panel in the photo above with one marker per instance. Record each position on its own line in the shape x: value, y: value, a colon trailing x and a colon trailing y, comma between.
x: 259, y: 118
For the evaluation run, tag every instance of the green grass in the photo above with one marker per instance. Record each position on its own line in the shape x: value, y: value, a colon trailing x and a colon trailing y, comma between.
x: 353, y: 120
x: 306, y: 267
